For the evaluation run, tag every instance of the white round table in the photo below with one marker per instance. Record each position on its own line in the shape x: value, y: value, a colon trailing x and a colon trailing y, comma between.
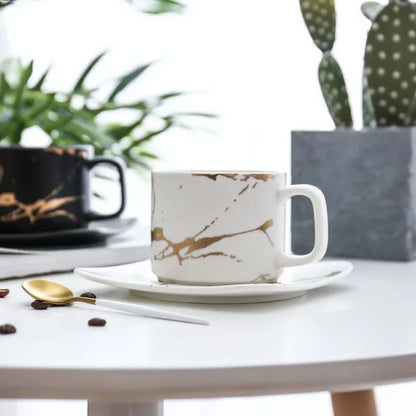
x: 345, y: 338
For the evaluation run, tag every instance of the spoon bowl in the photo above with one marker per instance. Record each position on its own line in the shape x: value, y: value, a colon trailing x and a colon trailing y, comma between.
x: 52, y: 292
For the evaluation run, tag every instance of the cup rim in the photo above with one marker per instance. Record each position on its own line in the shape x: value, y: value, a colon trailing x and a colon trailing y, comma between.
x: 218, y: 172
x: 19, y: 147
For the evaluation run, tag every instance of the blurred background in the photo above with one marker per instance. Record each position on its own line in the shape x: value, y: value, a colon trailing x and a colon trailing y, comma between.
x: 250, y: 62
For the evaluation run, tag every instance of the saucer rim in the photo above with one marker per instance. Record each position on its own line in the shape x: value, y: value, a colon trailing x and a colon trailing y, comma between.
x: 71, y: 232
x: 248, y: 289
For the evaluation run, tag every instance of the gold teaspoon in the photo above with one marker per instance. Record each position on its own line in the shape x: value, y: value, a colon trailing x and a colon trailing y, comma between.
x: 57, y: 294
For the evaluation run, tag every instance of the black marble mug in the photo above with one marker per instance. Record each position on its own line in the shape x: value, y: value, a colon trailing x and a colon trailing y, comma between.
x: 48, y: 189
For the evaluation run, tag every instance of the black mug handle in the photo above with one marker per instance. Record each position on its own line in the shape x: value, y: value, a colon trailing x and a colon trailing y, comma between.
x: 91, y: 216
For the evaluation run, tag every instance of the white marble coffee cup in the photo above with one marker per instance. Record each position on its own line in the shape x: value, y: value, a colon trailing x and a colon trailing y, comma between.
x: 217, y: 228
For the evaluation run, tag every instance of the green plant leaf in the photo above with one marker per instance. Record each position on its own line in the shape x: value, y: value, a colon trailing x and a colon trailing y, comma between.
x: 42, y: 105
x: 25, y: 75
x: 134, y: 162
x: 39, y: 84
x: 149, y: 136
x: 89, y: 132
x: 159, y: 6
x: 61, y: 117
x: 148, y: 154
x: 119, y: 131
x: 80, y: 82
x: 125, y: 80
x: 189, y: 127
x: 171, y: 95
x: 140, y: 105
x: 4, y: 86
x: 171, y: 2
x: 6, y: 118
x: 15, y: 130
x: 194, y: 114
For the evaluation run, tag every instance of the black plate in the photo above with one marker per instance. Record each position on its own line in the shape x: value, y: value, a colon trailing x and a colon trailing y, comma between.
x: 96, y: 232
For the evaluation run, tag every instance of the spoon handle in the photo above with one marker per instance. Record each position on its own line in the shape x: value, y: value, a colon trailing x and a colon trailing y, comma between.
x: 148, y: 311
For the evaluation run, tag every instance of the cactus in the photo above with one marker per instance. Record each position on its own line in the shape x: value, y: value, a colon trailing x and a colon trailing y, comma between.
x: 389, y: 78
x: 320, y: 19
x: 390, y: 62
x: 334, y: 91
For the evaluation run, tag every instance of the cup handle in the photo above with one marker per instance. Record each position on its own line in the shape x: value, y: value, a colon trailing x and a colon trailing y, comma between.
x: 92, y: 216
x: 320, y: 220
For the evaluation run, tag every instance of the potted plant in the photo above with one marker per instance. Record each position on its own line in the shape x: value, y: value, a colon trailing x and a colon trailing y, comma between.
x: 368, y: 175
x: 76, y: 116
x: 83, y: 115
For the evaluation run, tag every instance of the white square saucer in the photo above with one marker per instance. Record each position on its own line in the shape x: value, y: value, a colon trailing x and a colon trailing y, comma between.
x: 294, y: 282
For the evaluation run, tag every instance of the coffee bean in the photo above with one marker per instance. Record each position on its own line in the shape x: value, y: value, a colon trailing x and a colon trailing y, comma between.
x: 89, y: 295
x: 39, y: 305
x: 97, y: 322
x: 7, y: 329
x: 4, y: 293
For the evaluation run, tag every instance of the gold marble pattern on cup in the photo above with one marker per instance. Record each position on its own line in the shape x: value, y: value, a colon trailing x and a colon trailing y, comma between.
x: 47, y: 207
x: 184, y: 250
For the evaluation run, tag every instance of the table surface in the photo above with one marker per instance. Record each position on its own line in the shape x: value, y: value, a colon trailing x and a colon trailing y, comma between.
x: 356, y: 333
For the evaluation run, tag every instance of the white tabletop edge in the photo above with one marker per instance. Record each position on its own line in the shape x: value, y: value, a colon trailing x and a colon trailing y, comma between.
x: 159, y: 384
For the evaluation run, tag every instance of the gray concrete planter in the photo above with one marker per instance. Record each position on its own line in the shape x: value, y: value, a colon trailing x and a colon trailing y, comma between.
x: 369, y: 180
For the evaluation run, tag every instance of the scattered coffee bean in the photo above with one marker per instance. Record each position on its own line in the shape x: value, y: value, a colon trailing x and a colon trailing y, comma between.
x: 7, y: 329
x: 4, y: 293
x: 89, y: 295
x: 39, y: 305
x: 97, y: 322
